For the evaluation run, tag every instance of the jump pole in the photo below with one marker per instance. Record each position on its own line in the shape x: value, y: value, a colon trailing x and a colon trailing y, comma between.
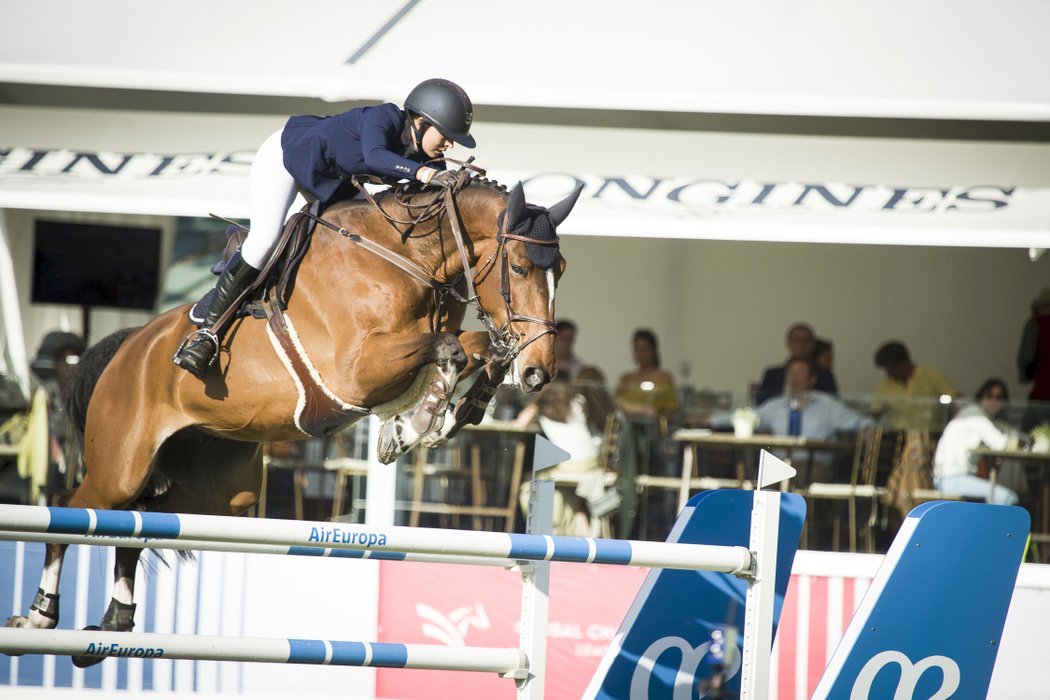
x: 150, y: 645
x: 99, y: 525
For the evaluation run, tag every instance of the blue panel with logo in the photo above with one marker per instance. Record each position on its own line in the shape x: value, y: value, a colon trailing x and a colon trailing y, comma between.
x: 932, y: 620
x: 682, y: 622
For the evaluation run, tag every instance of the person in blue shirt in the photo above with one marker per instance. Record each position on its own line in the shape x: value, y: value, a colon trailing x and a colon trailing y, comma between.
x: 317, y: 156
x: 823, y: 416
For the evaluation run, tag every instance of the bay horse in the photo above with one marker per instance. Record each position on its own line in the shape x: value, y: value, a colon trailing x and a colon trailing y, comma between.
x: 372, y: 323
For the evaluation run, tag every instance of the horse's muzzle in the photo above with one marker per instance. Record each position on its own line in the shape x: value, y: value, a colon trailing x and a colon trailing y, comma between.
x: 534, y: 378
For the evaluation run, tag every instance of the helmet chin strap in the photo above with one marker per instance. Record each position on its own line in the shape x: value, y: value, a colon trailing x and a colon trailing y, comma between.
x: 418, y: 135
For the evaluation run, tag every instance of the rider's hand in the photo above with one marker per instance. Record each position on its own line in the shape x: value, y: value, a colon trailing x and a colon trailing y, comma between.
x: 444, y: 179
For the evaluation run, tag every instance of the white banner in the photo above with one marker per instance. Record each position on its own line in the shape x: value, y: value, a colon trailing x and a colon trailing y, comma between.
x: 687, y: 185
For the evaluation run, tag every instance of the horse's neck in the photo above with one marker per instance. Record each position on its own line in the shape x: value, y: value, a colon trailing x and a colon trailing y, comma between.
x: 430, y: 245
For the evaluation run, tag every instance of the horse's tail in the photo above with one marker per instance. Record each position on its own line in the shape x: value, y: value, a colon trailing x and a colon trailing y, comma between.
x: 81, y: 383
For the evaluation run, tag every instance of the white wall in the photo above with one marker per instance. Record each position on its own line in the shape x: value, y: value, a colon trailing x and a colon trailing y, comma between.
x: 724, y: 307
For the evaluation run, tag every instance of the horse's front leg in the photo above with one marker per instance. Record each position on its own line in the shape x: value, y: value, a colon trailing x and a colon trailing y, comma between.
x: 398, y: 435
x: 470, y: 409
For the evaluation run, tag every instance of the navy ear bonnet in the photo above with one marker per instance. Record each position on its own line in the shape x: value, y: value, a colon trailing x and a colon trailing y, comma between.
x: 536, y: 224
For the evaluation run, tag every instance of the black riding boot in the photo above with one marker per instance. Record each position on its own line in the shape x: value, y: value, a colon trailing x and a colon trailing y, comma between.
x: 199, y: 349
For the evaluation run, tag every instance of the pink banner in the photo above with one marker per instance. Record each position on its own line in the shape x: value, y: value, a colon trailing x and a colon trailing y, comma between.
x: 479, y: 606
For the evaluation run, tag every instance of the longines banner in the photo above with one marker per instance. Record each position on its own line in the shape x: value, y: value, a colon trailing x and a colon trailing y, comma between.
x: 929, y: 205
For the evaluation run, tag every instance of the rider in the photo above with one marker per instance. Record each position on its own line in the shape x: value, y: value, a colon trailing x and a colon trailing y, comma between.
x: 318, y: 155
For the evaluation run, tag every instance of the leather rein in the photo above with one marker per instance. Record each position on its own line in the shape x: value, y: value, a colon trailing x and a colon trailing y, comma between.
x: 506, y: 343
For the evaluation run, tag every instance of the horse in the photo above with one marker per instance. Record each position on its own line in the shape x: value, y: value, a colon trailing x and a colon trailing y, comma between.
x: 370, y: 323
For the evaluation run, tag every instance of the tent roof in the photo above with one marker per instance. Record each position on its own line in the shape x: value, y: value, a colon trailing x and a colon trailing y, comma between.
x: 895, y: 59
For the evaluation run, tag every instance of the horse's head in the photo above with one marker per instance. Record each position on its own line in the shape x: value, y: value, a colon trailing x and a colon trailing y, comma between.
x: 517, y: 281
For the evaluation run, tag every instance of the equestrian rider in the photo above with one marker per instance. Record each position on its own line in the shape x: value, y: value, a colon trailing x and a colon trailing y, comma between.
x: 317, y: 155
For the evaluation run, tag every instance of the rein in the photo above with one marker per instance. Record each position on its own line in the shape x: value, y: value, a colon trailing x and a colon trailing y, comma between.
x: 506, y: 343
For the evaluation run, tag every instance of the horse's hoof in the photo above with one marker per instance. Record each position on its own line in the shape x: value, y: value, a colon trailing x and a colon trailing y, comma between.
x: 88, y: 661
x: 17, y: 621
x: 390, y: 445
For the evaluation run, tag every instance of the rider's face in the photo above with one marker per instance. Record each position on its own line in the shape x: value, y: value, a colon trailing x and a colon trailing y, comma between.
x: 434, y: 142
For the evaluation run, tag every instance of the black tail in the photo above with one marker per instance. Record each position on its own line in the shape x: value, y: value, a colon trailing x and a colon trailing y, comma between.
x: 81, y: 383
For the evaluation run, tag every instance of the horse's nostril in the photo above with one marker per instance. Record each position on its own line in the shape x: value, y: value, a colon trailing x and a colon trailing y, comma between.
x: 535, y: 377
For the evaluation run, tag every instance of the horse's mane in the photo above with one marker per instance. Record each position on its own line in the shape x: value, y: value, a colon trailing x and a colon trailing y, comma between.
x: 414, y: 192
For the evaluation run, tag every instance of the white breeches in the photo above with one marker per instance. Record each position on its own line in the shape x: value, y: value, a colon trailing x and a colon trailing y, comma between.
x: 272, y: 190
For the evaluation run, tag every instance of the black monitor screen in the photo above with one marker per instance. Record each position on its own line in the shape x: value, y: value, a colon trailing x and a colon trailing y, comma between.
x: 96, y: 265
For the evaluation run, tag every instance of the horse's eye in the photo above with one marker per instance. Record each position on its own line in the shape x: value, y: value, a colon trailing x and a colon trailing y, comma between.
x: 519, y: 270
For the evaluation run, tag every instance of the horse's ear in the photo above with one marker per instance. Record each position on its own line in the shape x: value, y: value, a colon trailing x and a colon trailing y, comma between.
x: 561, y: 210
x: 515, y: 206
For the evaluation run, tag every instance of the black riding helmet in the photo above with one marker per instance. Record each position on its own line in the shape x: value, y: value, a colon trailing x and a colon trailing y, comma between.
x: 445, y: 105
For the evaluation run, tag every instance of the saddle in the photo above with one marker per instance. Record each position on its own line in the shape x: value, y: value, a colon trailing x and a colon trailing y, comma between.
x: 276, y: 279
x: 319, y: 413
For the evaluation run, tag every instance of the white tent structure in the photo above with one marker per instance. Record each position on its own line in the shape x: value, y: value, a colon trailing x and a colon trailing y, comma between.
x: 892, y: 124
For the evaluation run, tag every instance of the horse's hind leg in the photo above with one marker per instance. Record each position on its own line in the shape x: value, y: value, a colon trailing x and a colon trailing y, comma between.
x: 120, y: 615
x: 43, y: 613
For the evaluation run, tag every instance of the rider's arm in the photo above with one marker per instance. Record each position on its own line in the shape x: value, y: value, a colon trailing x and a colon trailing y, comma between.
x: 380, y: 133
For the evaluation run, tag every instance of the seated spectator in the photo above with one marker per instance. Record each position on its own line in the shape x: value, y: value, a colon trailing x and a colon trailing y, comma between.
x: 649, y: 391
x: 572, y: 416
x: 800, y: 344
x: 910, y: 393
x: 954, y: 467
x: 824, y: 354
x: 822, y: 416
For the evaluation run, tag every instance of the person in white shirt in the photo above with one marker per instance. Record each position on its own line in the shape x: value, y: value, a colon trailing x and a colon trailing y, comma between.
x: 954, y: 466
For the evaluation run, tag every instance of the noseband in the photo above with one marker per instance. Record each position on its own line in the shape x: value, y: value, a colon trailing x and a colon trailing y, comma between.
x: 504, y: 337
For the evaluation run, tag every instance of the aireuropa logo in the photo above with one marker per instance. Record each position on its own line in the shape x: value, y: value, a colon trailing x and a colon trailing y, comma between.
x: 685, y: 680
x: 910, y: 675
x: 452, y: 629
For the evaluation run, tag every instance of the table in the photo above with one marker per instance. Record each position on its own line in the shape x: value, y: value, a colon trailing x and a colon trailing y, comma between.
x: 472, y: 437
x: 695, y: 439
x: 1041, y: 459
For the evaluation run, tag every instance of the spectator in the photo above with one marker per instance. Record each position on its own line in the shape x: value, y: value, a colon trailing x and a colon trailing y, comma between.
x: 569, y: 365
x: 572, y: 416
x: 800, y: 343
x: 910, y: 392
x: 649, y: 391
x: 824, y: 354
x: 822, y: 416
x: 58, y: 354
x: 1033, y: 359
x: 648, y: 398
x: 954, y: 467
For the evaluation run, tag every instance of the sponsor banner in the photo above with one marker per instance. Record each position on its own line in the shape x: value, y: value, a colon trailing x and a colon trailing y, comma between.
x: 479, y: 606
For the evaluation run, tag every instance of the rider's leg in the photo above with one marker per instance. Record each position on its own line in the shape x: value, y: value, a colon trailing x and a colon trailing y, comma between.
x: 198, y: 352
x: 271, y: 192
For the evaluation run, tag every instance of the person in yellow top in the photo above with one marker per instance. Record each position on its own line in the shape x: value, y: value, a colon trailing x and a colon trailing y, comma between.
x: 911, y: 393
x: 649, y: 391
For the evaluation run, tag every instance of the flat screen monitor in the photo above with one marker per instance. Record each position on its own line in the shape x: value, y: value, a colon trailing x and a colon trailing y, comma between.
x: 96, y: 265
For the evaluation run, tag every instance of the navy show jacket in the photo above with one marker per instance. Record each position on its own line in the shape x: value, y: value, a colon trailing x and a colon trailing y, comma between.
x: 321, y: 153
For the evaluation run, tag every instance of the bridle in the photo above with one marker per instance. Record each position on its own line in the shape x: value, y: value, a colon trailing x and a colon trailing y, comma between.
x: 505, y: 342
x: 504, y: 337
